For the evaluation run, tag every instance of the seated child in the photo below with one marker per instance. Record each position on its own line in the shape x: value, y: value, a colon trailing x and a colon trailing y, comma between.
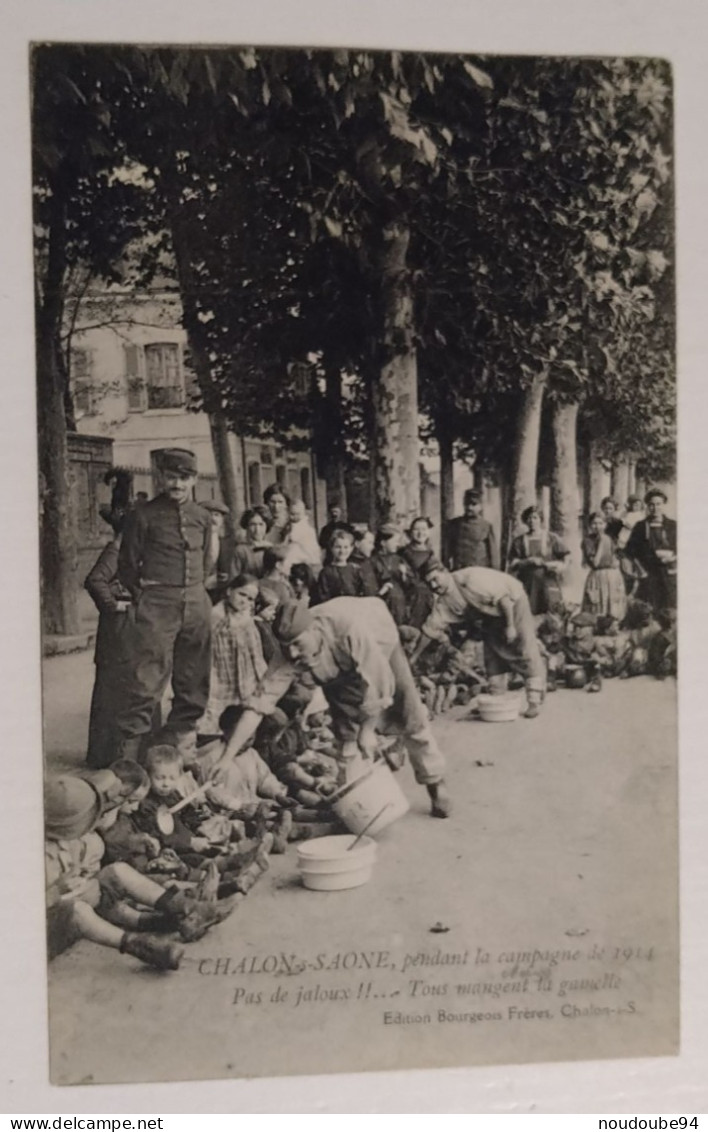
x: 247, y: 791
x: 662, y: 658
x: 195, y: 841
x: 444, y: 673
x: 109, y: 904
x: 550, y: 631
x: 124, y: 841
x: 310, y: 775
x: 580, y: 653
x: 613, y: 645
x: 642, y: 629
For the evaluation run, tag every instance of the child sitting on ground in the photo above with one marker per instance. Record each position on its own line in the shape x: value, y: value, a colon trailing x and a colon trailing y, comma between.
x: 247, y: 790
x: 582, y: 660
x: 642, y: 629
x: 613, y: 645
x: 199, y: 835
x: 662, y: 659
x: 123, y: 839
x: 112, y: 905
x: 444, y: 674
x: 310, y: 775
x: 550, y: 631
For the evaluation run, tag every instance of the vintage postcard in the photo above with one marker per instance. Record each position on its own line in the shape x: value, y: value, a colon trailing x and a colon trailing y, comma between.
x: 356, y: 420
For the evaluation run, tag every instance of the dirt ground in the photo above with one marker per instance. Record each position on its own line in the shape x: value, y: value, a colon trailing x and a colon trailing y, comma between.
x: 555, y: 882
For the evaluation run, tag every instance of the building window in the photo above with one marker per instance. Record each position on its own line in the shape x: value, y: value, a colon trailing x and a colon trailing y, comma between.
x: 165, y: 387
x: 281, y: 476
x: 81, y: 381
x: 266, y: 457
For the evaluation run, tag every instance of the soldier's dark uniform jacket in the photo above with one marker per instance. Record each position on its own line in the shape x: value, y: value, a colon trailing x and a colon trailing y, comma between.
x: 164, y: 562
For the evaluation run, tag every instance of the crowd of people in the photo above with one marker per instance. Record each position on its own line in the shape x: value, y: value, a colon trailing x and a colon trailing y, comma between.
x: 294, y: 657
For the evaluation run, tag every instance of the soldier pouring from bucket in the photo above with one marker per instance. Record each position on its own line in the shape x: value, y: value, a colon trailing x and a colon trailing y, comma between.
x: 351, y: 647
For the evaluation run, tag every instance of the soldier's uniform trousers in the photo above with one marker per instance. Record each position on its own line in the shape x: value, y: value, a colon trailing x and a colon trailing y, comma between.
x: 169, y: 636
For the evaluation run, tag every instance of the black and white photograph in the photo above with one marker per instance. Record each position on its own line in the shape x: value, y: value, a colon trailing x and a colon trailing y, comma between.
x: 357, y: 494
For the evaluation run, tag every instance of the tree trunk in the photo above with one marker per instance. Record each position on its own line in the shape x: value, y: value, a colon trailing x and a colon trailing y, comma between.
x: 631, y: 476
x: 59, y: 551
x: 188, y: 285
x: 333, y: 443
x: 525, y: 462
x: 447, y: 485
x: 225, y: 467
x: 597, y: 479
x: 395, y: 392
x: 565, y: 504
x: 620, y: 482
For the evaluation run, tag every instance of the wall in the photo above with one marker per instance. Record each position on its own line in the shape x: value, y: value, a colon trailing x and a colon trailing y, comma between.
x: 112, y: 325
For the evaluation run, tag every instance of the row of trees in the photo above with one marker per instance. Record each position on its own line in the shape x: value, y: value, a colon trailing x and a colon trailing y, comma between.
x: 465, y: 251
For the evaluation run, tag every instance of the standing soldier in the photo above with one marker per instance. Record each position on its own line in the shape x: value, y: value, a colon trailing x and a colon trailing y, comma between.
x: 470, y: 537
x: 164, y: 562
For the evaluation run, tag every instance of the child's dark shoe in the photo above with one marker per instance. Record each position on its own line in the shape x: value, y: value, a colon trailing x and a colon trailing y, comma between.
x: 154, y: 952
x: 208, y: 886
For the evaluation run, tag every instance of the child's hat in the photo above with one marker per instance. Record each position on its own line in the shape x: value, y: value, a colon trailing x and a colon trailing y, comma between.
x: 71, y: 807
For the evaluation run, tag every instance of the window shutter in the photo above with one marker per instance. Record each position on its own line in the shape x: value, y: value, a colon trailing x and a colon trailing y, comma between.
x: 135, y: 383
x: 81, y: 363
x: 165, y: 386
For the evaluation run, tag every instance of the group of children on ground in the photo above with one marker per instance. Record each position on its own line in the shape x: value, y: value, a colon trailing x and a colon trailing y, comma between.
x: 170, y: 831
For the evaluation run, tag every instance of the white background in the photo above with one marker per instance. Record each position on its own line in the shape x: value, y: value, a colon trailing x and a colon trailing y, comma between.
x: 677, y: 31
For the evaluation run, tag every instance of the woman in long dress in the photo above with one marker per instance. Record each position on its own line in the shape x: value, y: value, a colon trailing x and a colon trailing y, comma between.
x: 605, y: 593
x: 248, y: 555
x: 537, y: 559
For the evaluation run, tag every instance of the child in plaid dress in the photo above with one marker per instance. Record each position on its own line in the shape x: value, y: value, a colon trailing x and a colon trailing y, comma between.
x: 237, y: 660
